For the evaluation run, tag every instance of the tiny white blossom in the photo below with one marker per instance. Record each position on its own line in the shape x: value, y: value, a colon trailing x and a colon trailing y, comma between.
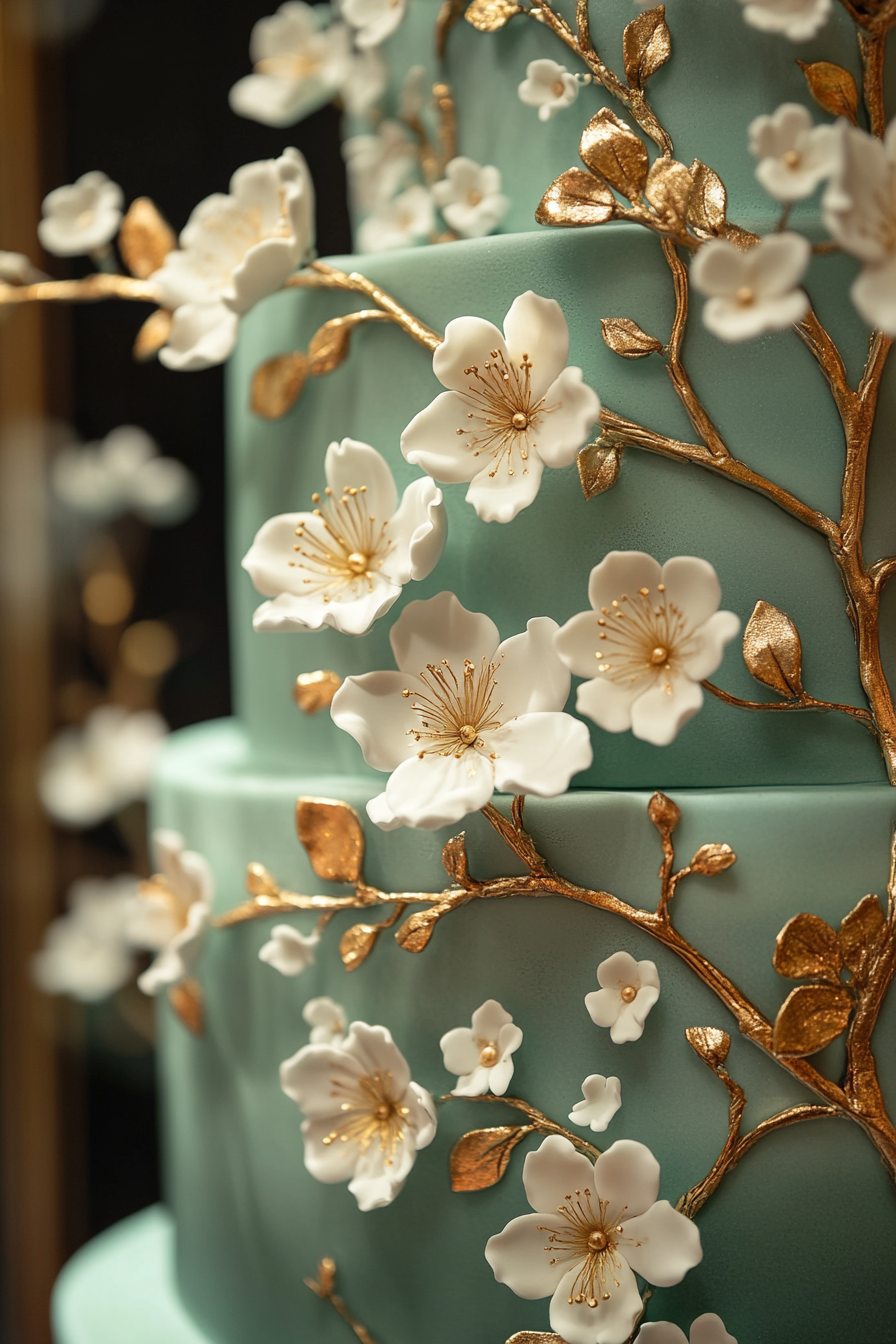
x: 602, y: 1099
x: 405, y: 221
x: 470, y: 198
x: 706, y: 1329
x: 481, y: 1054
x: 548, y: 86
x: 755, y: 291
x: 797, y: 19
x: 88, y: 773
x: 413, y: 93
x: 628, y: 991
x: 373, y: 20
x: 300, y: 65
x: 859, y: 207
x: 181, y: 896
x: 86, y: 953
x: 82, y: 218
x: 378, y: 165
x: 794, y: 154
x: 124, y: 473
x: 327, y: 1020
x: 289, y: 951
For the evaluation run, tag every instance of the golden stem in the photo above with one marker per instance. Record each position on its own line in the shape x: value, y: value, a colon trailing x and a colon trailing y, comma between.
x: 861, y: 1076
x: 539, y: 1121
x: 447, y: 124
x: 804, y: 701
x: 697, y: 413
x: 89, y: 290
x: 323, y: 1287
x: 871, y: 54
x: 320, y: 276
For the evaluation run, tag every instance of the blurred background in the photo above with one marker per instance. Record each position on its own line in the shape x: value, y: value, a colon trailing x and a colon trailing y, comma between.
x: 111, y: 592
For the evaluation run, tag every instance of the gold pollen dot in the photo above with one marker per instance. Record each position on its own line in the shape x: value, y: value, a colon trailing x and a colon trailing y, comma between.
x: 357, y: 562
x: 488, y: 1056
x: 520, y: 420
x: 629, y: 994
x: 659, y: 655
x: 745, y: 296
x: 792, y: 158
x: 558, y: 89
x: 598, y: 1240
x: 467, y: 734
x: 382, y: 1112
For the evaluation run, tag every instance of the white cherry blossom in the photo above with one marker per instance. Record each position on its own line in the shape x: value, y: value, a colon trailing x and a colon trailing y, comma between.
x: 327, y: 1020
x: 513, y: 407
x: 124, y: 473
x: 755, y: 291
x: 414, y: 91
x: 797, y: 19
x: 365, y: 81
x: 373, y: 20
x: 289, y: 951
x: 234, y: 250
x: 344, y: 564
x: 179, y: 904
x: 364, y: 1118
x: 299, y: 65
x: 405, y: 221
x: 464, y: 715
x: 548, y: 86
x: 595, y: 1227
x: 706, y: 1329
x: 378, y: 164
x: 653, y: 634
x: 859, y: 206
x: 86, y: 952
x: 81, y: 218
x: 794, y: 154
x: 602, y: 1099
x: 481, y: 1054
x: 470, y: 198
x: 628, y: 991
x: 88, y: 773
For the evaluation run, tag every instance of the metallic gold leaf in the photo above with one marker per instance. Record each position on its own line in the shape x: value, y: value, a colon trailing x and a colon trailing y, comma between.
x: 772, y: 650
x: 710, y: 1043
x: 186, y: 1000
x: 259, y: 881
x: 534, y: 1337
x: 490, y: 15
x: 416, y: 932
x: 664, y: 814
x: 598, y: 465
x: 646, y: 45
x: 808, y: 948
x: 333, y: 838
x: 575, y: 199
x: 832, y: 87
x: 810, y: 1018
x: 860, y: 934
x: 668, y: 189
x: 314, y: 691
x: 357, y: 943
x: 611, y: 149
x: 625, y: 338
x: 479, y: 1159
x: 454, y: 859
x: 153, y: 335
x: 277, y: 383
x: 708, y: 203
x: 329, y: 345
x: 145, y: 239
x: 712, y: 859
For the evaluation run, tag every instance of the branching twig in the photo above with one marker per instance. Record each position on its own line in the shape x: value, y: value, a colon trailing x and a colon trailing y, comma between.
x: 540, y: 1123
x: 804, y: 701
x: 697, y: 413
x: 320, y: 276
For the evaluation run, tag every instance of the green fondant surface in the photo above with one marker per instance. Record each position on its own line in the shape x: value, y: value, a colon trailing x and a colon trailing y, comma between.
x: 797, y: 1240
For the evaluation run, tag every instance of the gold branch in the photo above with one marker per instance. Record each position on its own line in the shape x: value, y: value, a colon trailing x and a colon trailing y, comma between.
x: 320, y: 276
x: 540, y: 1122
x: 803, y: 701
x: 697, y: 413
x: 324, y: 1287
x: 89, y: 290
x: 871, y: 53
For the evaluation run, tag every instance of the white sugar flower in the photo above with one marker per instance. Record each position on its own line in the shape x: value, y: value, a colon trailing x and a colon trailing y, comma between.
x: 797, y: 19
x: 755, y: 291
x: 405, y: 221
x: 378, y: 164
x: 463, y: 716
x: 88, y: 773
x: 481, y: 1055
x: 365, y: 1119
x: 86, y: 952
x: 82, y: 218
x: 706, y: 1329
x: 364, y: 83
x: 179, y: 902
x: 299, y: 65
x: 327, y: 1020
x: 345, y: 563
x: 860, y: 211
x: 235, y: 250
x: 594, y: 1228
x: 289, y: 951
x: 513, y: 407
x: 602, y: 1099
x: 470, y: 198
x: 628, y: 991
x: 794, y: 154
x: 548, y: 86
x: 373, y: 20
x: 414, y: 91
x: 17, y: 269
x: 653, y: 634
x: 124, y: 473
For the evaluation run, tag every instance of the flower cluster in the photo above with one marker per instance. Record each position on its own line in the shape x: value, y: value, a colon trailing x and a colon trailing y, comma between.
x: 89, y: 773
x: 124, y: 473
x: 87, y: 952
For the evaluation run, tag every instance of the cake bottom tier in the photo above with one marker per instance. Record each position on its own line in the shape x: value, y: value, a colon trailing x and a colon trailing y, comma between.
x: 797, y: 1239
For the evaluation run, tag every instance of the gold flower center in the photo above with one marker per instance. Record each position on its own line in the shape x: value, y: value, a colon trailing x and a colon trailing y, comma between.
x: 520, y: 420
x: 745, y: 296
x: 474, y: 197
x: 584, y: 1242
x: 488, y: 1056
x: 558, y: 89
x: 598, y: 1240
x: 346, y: 544
x: 370, y: 1113
x: 642, y: 637
x: 502, y: 410
x: 792, y: 158
x: 357, y: 562
x: 659, y: 656
x: 468, y: 734
x: 629, y: 994
x: 455, y: 711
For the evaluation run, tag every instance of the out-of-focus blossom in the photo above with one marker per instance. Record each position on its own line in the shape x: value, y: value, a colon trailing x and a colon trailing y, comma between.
x: 124, y: 473
x: 373, y: 20
x: 87, y: 952
x: 860, y: 210
x: 300, y: 61
x: 794, y: 154
x: 289, y: 951
x: 81, y: 218
x: 752, y: 292
x: 548, y: 86
x: 797, y: 19
x: 89, y: 773
x: 405, y: 221
x: 327, y: 1020
x: 378, y: 165
x: 180, y: 904
x: 470, y: 198
x: 17, y: 269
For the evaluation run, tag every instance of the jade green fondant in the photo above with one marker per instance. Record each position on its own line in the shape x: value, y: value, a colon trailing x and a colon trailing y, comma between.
x: 794, y: 1239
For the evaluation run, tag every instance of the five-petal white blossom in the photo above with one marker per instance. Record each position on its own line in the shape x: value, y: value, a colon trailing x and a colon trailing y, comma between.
x: 628, y: 991
x: 548, y: 86
x: 653, y: 634
x: 87, y: 952
x: 794, y: 154
x: 177, y: 913
x: 345, y: 563
x: 378, y: 164
x: 602, y: 1099
x: 327, y: 1020
x: 481, y: 1054
x: 755, y: 291
x: 797, y: 19
x: 289, y: 951
x: 234, y: 250
x: 463, y: 716
x: 404, y: 221
x: 365, y: 1119
x: 469, y: 197
x: 594, y: 1228
x: 373, y: 20
x: 123, y: 473
x: 81, y: 218
x: 859, y: 207
x: 300, y: 65
x: 513, y: 407
x: 706, y: 1329
x: 88, y: 773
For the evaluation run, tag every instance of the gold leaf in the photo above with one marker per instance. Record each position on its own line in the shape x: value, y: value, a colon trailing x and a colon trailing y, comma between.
x: 611, y: 149
x: 534, y: 1337
x: 314, y: 691
x: 772, y: 650
x: 810, y: 1018
x: 454, y: 859
x: 277, y: 383
x: 490, y: 15
x: 832, y: 87
x: 712, y: 859
x: 153, y: 335
x: 664, y: 814
x: 333, y: 838
x: 668, y: 189
x: 357, y: 943
x: 646, y: 45
x: 186, y: 1000
x: 145, y: 239
x: 329, y: 345
x: 575, y: 199
x: 416, y: 932
x: 807, y: 947
x: 598, y: 465
x: 708, y: 204
x: 860, y: 933
x: 259, y: 881
x: 625, y: 338
x: 710, y: 1043
x: 479, y: 1159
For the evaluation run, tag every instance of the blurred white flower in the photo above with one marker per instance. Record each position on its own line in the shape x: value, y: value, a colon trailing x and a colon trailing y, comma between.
x: 81, y: 218
x: 299, y: 65
x: 86, y: 952
x: 378, y: 165
x: 602, y: 1099
x: 407, y: 220
x: 326, y: 1019
x: 17, y: 269
x: 548, y: 86
x: 470, y: 198
x: 364, y: 83
x: 88, y: 773
x: 179, y: 904
x: 413, y: 92
x: 797, y: 19
x: 373, y: 20
x: 755, y: 291
x: 794, y: 154
x: 289, y: 951
x: 859, y: 207
x: 123, y: 473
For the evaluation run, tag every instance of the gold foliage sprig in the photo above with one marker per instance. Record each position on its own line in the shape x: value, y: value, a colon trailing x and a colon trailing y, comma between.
x: 324, y: 1287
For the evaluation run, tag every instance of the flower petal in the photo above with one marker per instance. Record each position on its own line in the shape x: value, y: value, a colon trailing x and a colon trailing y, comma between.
x: 576, y: 643
x: 373, y: 710
x: 349, y: 614
x: 603, y: 1006
x: 262, y: 271
x: 374, y: 1051
x: 627, y: 1177
x: 779, y: 263
x: 307, y: 1078
x: 661, y: 1244
x: 708, y: 645
x: 475, y: 1083
x: 610, y: 1322
x: 468, y: 340
x: 421, y: 1114
x: 417, y: 533
x: 617, y: 971
x: 518, y: 1257
x: 539, y: 753
x: 629, y: 1025
x: 608, y: 703
x: 602, y: 1098
x: 874, y: 295
x: 661, y: 1332
x: 440, y: 627
x: 500, y: 1074
x: 438, y: 790
x: 350, y: 465
x: 571, y: 408
x: 267, y: 559
x: 693, y: 586
x: 488, y: 1020
x: 531, y: 675
x: 202, y: 334
x: 719, y: 268
x: 500, y: 497
x: 551, y: 1172
x: 659, y: 714
x: 460, y: 1053
x: 327, y: 1162
x: 621, y: 572
x: 433, y: 442
x: 535, y: 327
x: 710, y: 1329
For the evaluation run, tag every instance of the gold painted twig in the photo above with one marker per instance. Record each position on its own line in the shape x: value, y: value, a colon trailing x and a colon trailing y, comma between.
x: 538, y: 1121
x: 321, y: 276
x: 804, y: 701
x: 697, y: 413
x: 89, y: 290
x: 324, y: 1287
x: 871, y: 53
